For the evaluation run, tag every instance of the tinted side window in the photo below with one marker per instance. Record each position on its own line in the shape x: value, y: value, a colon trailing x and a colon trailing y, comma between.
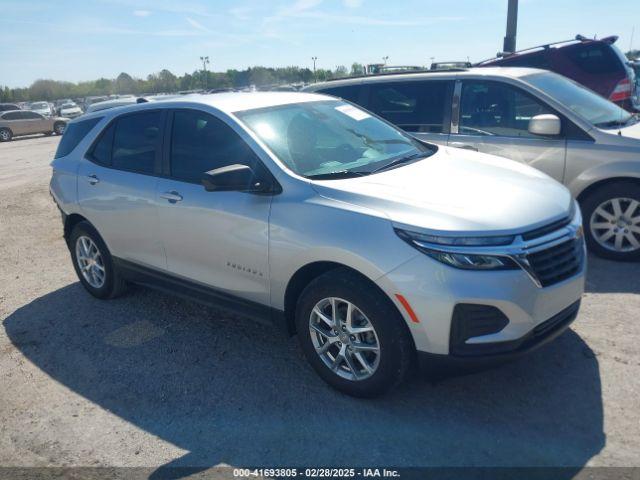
x: 201, y: 142
x: 31, y: 115
x: 73, y: 134
x: 533, y: 60
x: 490, y: 108
x: 136, y: 142
x: 348, y: 92
x: 12, y: 116
x: 101, y: 152
x: 413, y: 106
x: 597, y: 58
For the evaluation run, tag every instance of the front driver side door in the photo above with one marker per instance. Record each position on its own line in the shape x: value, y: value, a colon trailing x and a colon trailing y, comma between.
x: 493, y: 118
x: 217, y: 239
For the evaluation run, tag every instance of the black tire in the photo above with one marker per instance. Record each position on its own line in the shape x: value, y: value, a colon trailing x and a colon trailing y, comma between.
x: 59, y: 127
x: 620, y: 189
x: 48, y: 134
x: 5, y: 135
x: 114, y: 285
x: 397, y: 351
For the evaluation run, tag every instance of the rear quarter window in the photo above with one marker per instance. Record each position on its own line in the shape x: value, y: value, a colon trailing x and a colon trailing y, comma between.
x: 73, y: 135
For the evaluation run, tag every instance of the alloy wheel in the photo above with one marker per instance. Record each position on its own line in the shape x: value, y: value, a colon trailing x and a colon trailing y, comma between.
x: 615, y: 224
x: 344, y: 339
x: 90, y: 262
x: 4, y: 135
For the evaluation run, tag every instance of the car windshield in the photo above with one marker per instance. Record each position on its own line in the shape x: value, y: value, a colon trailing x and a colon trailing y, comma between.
x: 68, y: 105
x: 39, y: 105
x: 589, y: 105
x: 329, y: 139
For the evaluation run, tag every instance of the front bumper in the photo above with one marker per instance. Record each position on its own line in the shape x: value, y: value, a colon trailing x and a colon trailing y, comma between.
x: 524, y: 298
x: 498, y: 353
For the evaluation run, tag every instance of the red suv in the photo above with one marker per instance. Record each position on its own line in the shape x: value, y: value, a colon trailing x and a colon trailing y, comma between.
x: 596, y: 64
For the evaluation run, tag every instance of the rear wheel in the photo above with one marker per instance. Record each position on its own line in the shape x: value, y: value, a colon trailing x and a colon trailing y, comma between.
x: 93, y: 263
x: 5, y: 135
x: 353, y: 336
x: 59, y: 127
x: 612, y: 221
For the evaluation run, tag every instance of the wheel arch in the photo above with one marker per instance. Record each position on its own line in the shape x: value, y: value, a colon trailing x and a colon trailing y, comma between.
x: 309, y: 272
x: 589, y: 189
x: 71, y: 221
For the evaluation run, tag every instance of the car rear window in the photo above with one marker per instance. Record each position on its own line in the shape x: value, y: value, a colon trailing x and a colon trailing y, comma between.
x: 599, y: 58
x: 73, y: 134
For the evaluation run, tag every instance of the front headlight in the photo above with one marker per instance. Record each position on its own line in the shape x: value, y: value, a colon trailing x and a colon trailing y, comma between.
x: 447, y: 250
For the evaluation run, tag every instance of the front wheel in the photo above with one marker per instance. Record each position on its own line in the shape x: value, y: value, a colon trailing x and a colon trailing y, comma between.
x: 5, y: 135
x: 353, y: 337
x: 612, y: 221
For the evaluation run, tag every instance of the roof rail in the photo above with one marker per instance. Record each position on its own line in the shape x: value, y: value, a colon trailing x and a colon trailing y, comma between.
x: 403, y: 72
x: 577, y: 38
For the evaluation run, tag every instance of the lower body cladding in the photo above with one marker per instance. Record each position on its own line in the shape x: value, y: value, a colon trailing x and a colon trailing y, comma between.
x: 478, y: 318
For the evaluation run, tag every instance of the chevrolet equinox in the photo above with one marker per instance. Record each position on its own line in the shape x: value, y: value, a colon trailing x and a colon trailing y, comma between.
x: 380, y: 251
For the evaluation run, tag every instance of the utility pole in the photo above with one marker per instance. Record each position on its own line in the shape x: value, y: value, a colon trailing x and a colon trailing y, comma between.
x: 205, y: 61
x: 314, y: 67
x: 512, y: 26
x: 385, y: 58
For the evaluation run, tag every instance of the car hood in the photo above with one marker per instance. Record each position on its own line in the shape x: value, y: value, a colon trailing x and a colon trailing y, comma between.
x: 456, y: 191
x: 632, y: 131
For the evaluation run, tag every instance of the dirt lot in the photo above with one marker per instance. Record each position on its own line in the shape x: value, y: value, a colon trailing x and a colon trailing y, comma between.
x: 150, y: 380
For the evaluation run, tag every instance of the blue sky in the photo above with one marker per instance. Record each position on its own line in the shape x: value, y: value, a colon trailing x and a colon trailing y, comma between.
x: 84, y: 40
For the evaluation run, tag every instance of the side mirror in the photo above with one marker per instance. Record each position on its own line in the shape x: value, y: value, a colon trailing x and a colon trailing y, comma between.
x: 545, y: 125
x: 234, y: 178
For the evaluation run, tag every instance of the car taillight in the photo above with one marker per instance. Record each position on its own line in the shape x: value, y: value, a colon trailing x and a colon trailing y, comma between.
x: 622, y: 91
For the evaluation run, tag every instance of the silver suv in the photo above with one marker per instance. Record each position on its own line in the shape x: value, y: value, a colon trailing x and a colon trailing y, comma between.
x: 533, y: 116
x: 376, y: 248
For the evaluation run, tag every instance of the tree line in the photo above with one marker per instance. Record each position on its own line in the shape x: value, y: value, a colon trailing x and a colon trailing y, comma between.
x: 166, y: 82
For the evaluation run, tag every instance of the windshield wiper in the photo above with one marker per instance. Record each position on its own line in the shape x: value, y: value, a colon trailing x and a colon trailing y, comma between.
x: 337, y: 175
x: 401, y: 160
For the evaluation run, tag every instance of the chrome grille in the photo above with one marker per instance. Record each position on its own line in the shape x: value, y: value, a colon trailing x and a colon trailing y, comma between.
x: 557, y: 263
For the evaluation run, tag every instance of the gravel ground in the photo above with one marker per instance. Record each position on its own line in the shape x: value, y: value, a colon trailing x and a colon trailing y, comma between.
x: 150, y: 380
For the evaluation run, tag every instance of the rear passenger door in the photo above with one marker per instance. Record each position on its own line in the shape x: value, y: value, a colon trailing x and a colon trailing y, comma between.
x: 219, y: 239
x: 117, y: 182
x: 494, y: 118
x: 421, y: 108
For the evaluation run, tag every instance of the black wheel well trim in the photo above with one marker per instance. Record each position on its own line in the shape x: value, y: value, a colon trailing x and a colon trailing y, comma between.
x: 309, y: 272
x: 586, y: 192
x: 70, y: 221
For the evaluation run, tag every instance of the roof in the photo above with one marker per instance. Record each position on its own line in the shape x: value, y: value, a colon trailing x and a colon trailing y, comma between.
x: 432, y: 74
x: 228, y: 102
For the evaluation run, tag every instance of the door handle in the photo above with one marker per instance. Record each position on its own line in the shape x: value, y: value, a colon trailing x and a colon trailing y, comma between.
x: 92, y: 179
x: 171, y: 196
x: 464, y: 146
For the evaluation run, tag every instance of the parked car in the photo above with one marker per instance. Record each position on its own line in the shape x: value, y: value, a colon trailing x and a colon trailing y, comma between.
x: 106, y: 104
x: 88, y: 101
x: 596, y: 64
x: 15, y: 123
x: 69, y: 110
x: 5, y: 107
x: 533, y: 116
x: 303, y: 209
x: 43, y: 108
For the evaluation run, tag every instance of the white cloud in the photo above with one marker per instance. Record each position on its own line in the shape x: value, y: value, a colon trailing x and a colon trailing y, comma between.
x: 197, y: 25
x: 141, y: 13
